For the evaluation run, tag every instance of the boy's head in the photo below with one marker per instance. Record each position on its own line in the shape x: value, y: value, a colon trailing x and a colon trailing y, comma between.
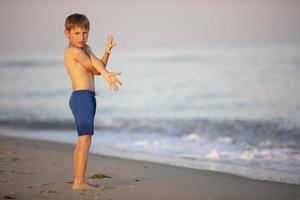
x: 77, y: 29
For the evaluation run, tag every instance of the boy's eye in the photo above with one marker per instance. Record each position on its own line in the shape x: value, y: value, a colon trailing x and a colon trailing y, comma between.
x: 77, y: 33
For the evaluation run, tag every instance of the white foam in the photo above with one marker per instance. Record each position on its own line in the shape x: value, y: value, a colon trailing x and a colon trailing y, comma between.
x: 193, y: 137
x: 191, y: 162
x: 247, y: 155
x: 183, y: 160
x: 141, y: 142
x: 213, y: 155
x: 225, y: 140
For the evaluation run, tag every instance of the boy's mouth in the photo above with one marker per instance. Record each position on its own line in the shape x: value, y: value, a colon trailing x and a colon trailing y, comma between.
x: 81, y: 43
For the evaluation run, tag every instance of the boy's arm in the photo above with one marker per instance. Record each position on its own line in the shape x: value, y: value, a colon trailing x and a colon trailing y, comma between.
x: 105, y: 58
x: 110, y: 77
x: 109, y: 45
x: 96, y: 63
x: 94, y: 60
x: 84, y: 60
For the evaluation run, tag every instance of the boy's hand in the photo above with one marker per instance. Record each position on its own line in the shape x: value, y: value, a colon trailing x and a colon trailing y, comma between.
x: 112, y: 80
x: 109, y: 44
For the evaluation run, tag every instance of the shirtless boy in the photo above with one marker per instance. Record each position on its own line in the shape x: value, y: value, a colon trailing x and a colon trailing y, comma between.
x: 82, y: 65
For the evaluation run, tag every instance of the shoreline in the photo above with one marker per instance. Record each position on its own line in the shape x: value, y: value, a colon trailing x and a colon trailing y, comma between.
x: 35, y: 169
x: 184, y: 162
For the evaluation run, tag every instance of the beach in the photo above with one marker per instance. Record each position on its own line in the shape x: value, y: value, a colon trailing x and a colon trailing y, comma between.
x: 207, y: 108
x: 34, y: 169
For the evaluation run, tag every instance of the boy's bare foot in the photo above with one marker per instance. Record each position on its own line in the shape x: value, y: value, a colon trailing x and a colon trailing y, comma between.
x: 87, y: 187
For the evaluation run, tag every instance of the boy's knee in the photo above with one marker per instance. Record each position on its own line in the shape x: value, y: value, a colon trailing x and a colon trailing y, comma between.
x: 84, y: 139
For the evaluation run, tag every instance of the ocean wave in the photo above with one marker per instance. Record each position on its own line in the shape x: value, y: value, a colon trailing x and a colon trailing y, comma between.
x: 271, y: 134
x: 185, y: 140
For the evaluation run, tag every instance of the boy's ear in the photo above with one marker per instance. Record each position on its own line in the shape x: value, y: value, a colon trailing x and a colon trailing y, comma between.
x: 67, y: 34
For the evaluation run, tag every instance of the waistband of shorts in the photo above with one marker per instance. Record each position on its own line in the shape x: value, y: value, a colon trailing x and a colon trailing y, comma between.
x: 92, y: 92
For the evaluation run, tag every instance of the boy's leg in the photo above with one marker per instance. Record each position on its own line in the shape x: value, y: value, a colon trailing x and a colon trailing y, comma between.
x: 81, y: 159
x: 83, y: 106
x: 80, y: 164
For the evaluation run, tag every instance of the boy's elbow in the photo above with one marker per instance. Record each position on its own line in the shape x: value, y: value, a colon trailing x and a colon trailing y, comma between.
x: 96, y: 72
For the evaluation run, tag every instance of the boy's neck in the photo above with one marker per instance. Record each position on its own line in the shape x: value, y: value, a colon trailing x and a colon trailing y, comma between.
x: 70, y: 45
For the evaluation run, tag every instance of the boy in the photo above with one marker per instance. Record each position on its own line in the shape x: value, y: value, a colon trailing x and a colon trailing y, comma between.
x: 82, y: 65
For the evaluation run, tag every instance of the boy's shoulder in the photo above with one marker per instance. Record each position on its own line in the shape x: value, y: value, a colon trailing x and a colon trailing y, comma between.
x: 70, y: 54
x: 72, y: 51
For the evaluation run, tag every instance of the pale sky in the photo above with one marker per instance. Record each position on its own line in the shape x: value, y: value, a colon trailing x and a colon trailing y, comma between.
x: 37, y: 26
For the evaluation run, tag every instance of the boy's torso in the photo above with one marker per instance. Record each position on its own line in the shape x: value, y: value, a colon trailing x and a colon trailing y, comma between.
x: 80, y: 77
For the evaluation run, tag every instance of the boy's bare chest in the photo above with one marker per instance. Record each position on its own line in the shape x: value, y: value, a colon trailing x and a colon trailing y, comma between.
x: 75, y: 67
x: 80, y: 77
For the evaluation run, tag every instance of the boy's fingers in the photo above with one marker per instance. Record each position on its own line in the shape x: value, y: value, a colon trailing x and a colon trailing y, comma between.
x: 114, y: 73
x: 119, y: 82
x: 115, y: 83
x: 116, y: 87
x: 112, y: 84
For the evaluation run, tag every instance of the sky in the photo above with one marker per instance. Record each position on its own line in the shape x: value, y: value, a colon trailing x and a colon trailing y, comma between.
x: 37, y: 26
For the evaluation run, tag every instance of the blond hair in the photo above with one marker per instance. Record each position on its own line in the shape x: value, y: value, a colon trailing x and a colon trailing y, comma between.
x: 77, y: 20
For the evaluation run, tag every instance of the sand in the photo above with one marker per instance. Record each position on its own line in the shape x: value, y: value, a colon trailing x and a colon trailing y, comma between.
x: 32, y: 169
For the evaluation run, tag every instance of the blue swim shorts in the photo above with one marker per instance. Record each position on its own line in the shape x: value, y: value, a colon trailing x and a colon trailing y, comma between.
x: 83, y: 106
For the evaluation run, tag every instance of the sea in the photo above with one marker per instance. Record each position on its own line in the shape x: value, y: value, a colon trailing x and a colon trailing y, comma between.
x: 234, y: 109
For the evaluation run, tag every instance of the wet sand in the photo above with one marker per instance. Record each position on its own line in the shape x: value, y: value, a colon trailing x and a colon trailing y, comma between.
x: 32, y: 169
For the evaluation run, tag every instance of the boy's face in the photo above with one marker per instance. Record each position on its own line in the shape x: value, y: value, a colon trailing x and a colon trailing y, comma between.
x: 77, y: 36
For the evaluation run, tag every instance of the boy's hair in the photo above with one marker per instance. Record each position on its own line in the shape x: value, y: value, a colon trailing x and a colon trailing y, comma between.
x: 77, y: 20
